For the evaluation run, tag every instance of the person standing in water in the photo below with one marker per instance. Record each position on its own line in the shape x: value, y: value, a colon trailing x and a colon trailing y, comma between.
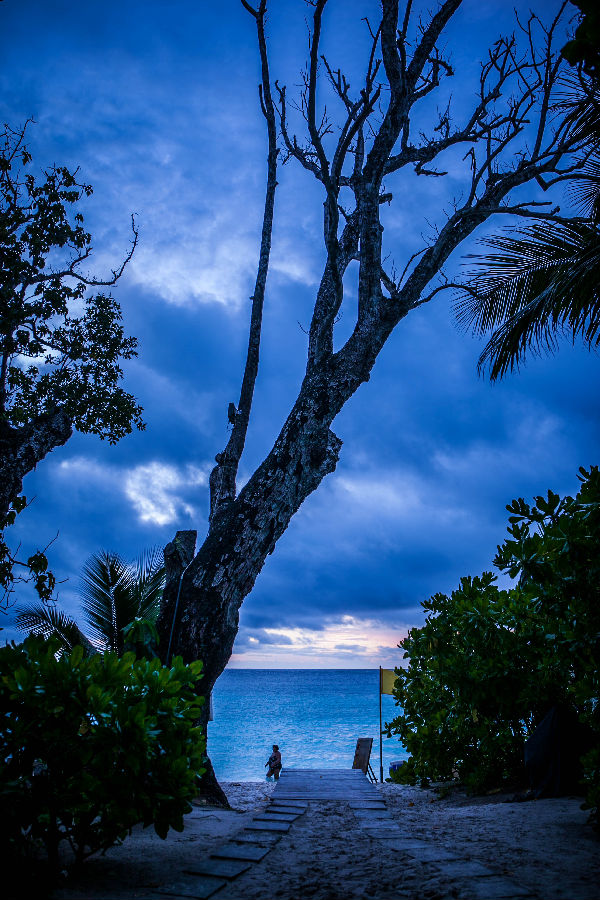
x: 274, y: 763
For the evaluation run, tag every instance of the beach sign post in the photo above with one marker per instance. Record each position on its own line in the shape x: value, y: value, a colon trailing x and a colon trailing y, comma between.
x: 387, y: 679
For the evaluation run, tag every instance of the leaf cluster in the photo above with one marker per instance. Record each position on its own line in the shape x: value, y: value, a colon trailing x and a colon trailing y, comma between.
x: 584, y: 48
x: 488, y: 663
x: 12, y: 570
x: 60, y: 345
x: 92, y: 746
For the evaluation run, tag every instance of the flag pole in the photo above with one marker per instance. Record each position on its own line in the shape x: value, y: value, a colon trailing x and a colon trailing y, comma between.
x: 380, y: 735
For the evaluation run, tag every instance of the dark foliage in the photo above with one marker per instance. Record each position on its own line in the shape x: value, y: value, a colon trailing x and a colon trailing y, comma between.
x: 91, y: 746
x: 489, y: 663
x: 60, y: 345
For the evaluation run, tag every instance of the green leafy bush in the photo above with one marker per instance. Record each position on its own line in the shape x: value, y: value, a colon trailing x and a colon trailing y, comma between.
x: 90, y: 746
x: 488, y: 663
x: 468, y: 692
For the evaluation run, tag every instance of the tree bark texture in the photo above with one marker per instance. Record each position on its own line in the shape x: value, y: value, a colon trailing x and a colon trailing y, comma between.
x: 21, y: 449
x: 204, y: 591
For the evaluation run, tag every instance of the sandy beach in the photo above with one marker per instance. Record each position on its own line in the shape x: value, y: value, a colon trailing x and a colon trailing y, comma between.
x: 544, y: 848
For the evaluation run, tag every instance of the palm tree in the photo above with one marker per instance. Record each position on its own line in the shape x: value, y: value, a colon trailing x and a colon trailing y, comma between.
x: 543, y: 280
x: 114, y: 595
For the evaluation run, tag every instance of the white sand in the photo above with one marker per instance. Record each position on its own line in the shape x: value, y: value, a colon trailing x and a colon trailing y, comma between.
x: 544, y: 846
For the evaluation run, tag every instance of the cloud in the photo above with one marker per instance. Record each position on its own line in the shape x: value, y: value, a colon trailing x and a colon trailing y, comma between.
x: 158, y: 492
x: 273, y: 637
x: 195, y: 201
x: 344, y: 642
x: 168, y: 391
x: 294, y: 258
x: 351, y: 648
x: 383, y: 501
x: 210, y: 261
x: 536, y: 436
x: 199, y: 253
x: 392, y: 493
x: 155, y: 490
x: 82, y: 468
x: 256, y: 637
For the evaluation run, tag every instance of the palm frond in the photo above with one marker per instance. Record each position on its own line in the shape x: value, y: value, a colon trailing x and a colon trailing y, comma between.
x: 113, y: 593
x: 502, y: 283
x: 108, y: 599
x: 583, y: 190
x: 544, y: 281
x: 580, y: 106
x: 148, y: 580
x: 49, y: 621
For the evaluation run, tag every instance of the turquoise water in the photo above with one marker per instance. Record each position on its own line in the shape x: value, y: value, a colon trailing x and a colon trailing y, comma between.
x: 315, y: 715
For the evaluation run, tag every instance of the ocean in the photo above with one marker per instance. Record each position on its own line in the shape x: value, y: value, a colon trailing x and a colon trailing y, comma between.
x: 315, y: 715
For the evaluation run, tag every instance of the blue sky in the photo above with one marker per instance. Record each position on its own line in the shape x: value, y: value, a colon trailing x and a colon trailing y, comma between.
x: 157, y: 104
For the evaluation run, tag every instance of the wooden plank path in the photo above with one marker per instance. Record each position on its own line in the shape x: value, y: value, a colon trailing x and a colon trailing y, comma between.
x: 295, y: 792
x: 324, y: 784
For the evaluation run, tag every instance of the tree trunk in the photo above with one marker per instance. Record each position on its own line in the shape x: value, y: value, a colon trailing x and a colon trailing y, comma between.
x: 209, y: 789
x: 200, y: 614
x: 21, y: 449
x: 178, y: 555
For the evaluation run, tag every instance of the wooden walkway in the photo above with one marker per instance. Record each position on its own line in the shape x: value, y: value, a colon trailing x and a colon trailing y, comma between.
x: 324, y: 784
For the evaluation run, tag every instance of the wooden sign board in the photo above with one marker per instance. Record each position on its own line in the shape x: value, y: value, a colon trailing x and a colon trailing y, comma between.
x: 362, y: 754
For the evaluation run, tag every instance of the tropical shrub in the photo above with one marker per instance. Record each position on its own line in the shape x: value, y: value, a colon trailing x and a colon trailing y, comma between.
x: 90, y: 746
x: 488, y: 663
x: 467, y: 692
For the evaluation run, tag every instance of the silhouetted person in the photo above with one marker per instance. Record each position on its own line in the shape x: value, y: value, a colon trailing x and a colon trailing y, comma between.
x: 274, y: 763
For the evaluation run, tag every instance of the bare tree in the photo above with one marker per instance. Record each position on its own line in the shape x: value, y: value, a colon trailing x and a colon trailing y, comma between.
x: 510, y: 138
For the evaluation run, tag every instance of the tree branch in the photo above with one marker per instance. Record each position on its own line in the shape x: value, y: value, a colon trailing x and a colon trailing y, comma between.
x: 223, y: 477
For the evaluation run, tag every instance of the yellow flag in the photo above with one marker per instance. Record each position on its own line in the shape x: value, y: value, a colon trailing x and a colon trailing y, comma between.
x: 387, y: 679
